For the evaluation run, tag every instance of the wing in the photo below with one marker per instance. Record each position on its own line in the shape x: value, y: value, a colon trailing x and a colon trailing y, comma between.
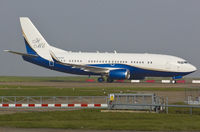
x: 82, y: 67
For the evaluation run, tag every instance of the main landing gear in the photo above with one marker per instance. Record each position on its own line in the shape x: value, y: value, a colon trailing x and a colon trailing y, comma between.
x: 109, y: 80
x: 101, y: 79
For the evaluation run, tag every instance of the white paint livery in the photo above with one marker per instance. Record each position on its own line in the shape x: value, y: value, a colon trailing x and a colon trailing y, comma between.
x: 34, y: 38
x: 113, y: 65
x: 159, y: 62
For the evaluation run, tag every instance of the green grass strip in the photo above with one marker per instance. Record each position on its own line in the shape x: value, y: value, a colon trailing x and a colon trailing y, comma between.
x: 94, y: 119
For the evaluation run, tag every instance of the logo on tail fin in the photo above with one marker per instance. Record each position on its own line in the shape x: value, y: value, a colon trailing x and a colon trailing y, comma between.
x: 37, y: 43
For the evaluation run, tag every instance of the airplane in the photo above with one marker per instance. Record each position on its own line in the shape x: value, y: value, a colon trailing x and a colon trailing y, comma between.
x: 113, y: 66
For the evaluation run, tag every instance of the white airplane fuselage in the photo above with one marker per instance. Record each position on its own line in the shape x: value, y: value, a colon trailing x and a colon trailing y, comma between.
x: 152, y: 63
x: 112, y: 65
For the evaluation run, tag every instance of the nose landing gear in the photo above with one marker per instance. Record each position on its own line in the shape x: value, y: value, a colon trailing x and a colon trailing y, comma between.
x: 173, y: 81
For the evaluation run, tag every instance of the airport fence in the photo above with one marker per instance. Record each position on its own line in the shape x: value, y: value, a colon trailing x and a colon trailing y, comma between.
x: 53, y: 101
x: 141, y: 102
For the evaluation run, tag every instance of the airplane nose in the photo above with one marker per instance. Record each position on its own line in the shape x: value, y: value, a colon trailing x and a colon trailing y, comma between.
x: 193, y: 68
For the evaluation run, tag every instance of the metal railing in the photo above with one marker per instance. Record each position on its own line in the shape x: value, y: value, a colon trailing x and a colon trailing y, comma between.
x: 158, y: 107
x: 53, y: 99
x: 131, y: 101
x: 122, y: 101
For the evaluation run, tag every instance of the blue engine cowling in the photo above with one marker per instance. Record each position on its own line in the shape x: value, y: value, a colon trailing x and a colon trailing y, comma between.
x: 119, y: 74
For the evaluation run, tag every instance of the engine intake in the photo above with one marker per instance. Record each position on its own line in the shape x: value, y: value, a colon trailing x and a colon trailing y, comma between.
x: 119, y: 74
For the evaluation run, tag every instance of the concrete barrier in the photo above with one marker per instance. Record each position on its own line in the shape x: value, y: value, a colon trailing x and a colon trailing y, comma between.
x: 120, y: 81
x: 150, y: 81
x: 165, y: 81
x: 90, y: 80
x: 195, y: 81
x: 180, y: 81
x: 135, y: 81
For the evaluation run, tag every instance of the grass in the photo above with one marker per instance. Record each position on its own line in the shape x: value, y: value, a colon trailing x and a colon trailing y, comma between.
x: 94, y: 119
x: 42, y: 79
x: 15, y: 90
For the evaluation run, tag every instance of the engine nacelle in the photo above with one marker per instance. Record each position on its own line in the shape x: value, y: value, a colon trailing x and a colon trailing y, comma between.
x: 119, y: 74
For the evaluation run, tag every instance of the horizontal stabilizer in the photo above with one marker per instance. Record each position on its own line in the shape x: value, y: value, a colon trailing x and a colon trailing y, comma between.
x: 18, y: 53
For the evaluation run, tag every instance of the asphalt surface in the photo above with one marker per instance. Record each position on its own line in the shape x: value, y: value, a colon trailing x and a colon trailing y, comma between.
x: 102, y: 85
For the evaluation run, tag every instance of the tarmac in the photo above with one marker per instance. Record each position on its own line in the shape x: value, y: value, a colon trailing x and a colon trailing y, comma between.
x: 102, y: 85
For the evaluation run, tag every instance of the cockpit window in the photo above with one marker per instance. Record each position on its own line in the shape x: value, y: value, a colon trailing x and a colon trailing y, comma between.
x: 182, y: 62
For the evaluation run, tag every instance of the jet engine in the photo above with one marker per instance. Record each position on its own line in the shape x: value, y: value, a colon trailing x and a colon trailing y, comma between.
x: 119, y: 74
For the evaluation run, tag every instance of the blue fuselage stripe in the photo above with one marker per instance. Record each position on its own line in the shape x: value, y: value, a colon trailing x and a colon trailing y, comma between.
x: 135, y: 72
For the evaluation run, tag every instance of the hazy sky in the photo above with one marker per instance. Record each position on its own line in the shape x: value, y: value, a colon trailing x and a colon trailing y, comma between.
x: 135, y: 26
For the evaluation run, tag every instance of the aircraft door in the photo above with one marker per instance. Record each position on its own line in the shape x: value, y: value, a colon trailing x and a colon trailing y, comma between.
x: 51, y: 63
x: 168, y: 66
x: 178, y: 68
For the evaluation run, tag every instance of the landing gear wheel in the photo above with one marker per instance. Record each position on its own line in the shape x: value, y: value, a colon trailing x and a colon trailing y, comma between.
x: 109, y: 80
x: 173, y: 81
x: 100, y: 79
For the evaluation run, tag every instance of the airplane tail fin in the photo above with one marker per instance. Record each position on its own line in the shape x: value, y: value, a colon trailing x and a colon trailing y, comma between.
x: 34, y: 41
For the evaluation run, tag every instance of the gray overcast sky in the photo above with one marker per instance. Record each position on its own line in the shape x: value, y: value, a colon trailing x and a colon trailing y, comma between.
x: 136, y: 26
